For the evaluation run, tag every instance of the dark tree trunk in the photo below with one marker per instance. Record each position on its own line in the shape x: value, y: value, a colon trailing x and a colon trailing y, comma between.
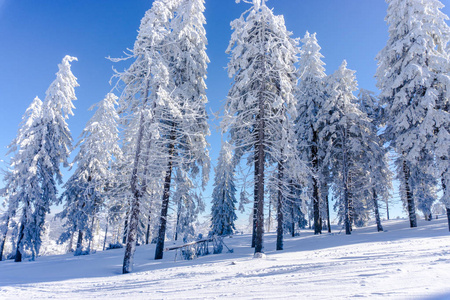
x: 165, y: 201
x: 292, y: 221
x: 79, y: 242
x: 18, y: 257
x: 409, y: 197
x: 280, y: 208
x: 178, y: 221
x: 351, y: 207
x: 377, y: 212
x: 327, y: 202
x: 255, y: 201
x: 448, y: 218
x: 316, y: 195
x: 2, y: 243
x: 147, y: 234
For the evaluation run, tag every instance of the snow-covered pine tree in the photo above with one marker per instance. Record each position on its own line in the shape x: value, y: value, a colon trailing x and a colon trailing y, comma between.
x: 379, y: 176
x: 22, y: 180
x: 413, y: 76
x: 182, y: 119
x: 310, y: 98
x: 262, y: 67
x: 85, y: 191
x: 345, y: 135
x: 146, y: 81
x: 223, y: 210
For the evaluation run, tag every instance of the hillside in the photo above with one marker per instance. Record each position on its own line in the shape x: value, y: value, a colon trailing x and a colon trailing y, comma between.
x: 400, y: 263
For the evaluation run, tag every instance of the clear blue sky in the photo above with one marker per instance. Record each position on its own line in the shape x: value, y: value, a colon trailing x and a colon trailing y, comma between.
x: 35, y: 36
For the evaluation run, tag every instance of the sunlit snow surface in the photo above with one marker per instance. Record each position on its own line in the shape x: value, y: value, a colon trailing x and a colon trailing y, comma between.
x: 401, y: 263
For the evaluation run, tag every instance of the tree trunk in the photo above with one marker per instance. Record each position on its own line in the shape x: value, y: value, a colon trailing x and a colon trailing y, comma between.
x: 280, y: 208
x: 130, y: 247
x: 178, y: 220
x: 125, y: 229
x: 316, y: 197
x: 377, y: 213
x: 79, y: 243
x: 2, y: 243
x: 91, y: 238
x: 106, y: 235
x: 327, y: 202
x: 165, y: 200
x: 18, y: 257
x: 147, y: 234
x: 255, y: 200
x: 448, y: 218
x: 409, y: 197
x: 351, y: 206
x: 387, y: 209
x: 292, y: 221
x: 345, y: 183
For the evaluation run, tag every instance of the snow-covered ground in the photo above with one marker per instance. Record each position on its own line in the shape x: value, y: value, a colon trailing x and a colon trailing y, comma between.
x: 401, y: 263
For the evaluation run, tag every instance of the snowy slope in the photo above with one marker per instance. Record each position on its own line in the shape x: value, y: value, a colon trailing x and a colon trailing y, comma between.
x: 401, y: 263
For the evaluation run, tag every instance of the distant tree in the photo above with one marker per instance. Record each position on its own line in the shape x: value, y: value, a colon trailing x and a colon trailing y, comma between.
x: 86, y: 189
x: 223, y: 210
x: 413, y: 76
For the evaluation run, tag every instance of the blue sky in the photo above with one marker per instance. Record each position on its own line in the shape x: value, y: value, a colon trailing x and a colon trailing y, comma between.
x: 35, y: 36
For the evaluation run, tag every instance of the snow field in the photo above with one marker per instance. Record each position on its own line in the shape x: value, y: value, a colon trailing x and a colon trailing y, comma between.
x: 401, y: 263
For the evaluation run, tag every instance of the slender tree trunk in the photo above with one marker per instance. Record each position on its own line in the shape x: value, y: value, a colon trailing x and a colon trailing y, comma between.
x: 409, y: 196
x: 255, y: 200
x: 345, y: 183
x: 125, y: 229
x: 280, y: 208
x: 387, y: 209
x: 91, y: 239
x: 316, y: 195
x: 448, y: 218
x: 79, y: 243
x: 165, y: 201
x: 2, y: 243
x: 351, y: 207
x: 147, y: 234
x: 269, y: 219
x: 178, y: 221
x: 327, y: 202
x: 292, y: 221
x: 135, y: 202
x: 106, y: 235
x: 377, y: 213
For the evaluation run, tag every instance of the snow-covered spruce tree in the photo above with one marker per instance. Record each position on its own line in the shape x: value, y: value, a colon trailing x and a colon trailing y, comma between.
x: 413, y: 76
x: 380, y: 176
x: 85, y: 191
x: 22, y: 184
x: 146, y: 80
x: 310, y: 99
x: 223, y: 210
x: 165, y: 92
x: 345, y: 135
x: 182, y: 119
x: 262, y: 67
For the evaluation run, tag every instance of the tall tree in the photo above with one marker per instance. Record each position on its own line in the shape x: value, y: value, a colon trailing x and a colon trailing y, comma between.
x: 223, y: 210
x: 262, y: 67
x: 413, y: 78
x: 310, y: 99
x: 85, y: 191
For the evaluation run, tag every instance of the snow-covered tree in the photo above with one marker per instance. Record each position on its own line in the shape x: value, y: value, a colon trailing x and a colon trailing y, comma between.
x: 258, y: 105
x: 413, y: 76
x: 223, y: 211
x: 345, y: 135
x: 310, y: 99
x: 163, y: 105
x: 85, y: 191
